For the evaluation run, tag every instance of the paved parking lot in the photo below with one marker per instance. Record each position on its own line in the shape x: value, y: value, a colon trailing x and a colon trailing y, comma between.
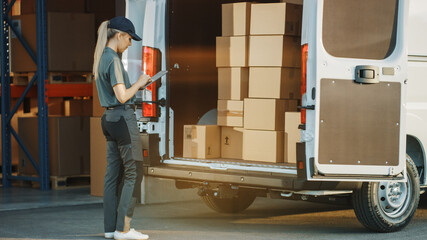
x: 265, y: 219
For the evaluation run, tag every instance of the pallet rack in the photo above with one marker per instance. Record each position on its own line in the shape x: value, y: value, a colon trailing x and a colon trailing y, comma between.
x: 42, y: 90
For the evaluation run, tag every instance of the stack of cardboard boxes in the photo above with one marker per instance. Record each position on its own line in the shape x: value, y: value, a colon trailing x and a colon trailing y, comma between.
x: 274, y: 80
x: 258, y: 58
x: 233, y: 76
x: 70, y: 37
x: 71, y: 33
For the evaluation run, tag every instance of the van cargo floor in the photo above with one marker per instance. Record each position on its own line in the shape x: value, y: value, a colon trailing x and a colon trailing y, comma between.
x: 235, y: 164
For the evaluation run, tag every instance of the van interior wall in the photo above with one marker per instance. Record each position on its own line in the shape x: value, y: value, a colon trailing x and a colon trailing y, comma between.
x: 193, y: 28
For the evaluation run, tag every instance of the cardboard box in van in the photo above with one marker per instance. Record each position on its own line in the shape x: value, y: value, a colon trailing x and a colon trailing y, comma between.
x: 202, y: 141
x: 232, y: 51
x: 267, y: 114
x: 232, y: 142
x: 233, y: 83
x: 276, y: 19
x: 236, y: 19
x: 265, y: 146
x: 292, y: 136
x: 274, y: 82
x: 230, y: 113
x: 274, y: 51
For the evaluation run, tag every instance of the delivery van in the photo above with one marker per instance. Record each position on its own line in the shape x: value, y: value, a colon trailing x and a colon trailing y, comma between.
x: 362, y: 106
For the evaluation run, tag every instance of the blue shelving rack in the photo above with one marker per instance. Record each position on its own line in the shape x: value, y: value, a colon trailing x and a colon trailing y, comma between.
x: 7, y: 112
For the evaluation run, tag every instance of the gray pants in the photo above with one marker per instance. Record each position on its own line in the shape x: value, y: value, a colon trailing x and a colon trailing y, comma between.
x: 123, y: 176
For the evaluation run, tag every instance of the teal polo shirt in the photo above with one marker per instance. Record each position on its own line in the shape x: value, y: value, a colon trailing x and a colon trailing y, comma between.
x: 110, y: 73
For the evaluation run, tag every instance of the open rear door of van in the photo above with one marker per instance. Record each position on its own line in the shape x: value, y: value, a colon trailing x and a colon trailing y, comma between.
x: 355, y: 90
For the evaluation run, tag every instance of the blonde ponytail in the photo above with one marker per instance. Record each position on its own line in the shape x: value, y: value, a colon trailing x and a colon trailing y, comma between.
x: 100, y: 45
x: 104, y: 35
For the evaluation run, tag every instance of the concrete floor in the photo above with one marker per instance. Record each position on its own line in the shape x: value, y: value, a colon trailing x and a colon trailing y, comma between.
x: 265, y: 219
x: 20, y: 198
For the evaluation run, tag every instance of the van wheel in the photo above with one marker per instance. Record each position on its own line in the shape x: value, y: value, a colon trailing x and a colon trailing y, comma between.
x: 388, y: 206
x: 229, y: 205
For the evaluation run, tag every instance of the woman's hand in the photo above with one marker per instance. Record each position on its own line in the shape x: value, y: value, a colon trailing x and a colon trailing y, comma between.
x: 143, y: 80
x: 123, y: 94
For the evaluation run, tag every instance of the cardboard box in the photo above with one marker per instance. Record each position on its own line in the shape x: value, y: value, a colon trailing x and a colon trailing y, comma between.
x: 55, y: 106
x: 274, y: 51
x: 98, y: 157
x: 236, y: 19
x: 68, y: 145
x: 292, y: 136
x: 97, y: 110
x: 267, y: 114
x: 76, y: 6
x: 233, y: 83
x: 78, y: 107
x: 264, y: 146
x: 202, y: 141
x: 231, y: 142
x: 230, y: 113
x: 276, y: 19
x: 275, y: 82
x: 232, y: 51
x: 70, y: 42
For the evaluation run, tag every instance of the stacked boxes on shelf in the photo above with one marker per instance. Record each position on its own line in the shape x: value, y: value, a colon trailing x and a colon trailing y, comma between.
x: 258, y: 59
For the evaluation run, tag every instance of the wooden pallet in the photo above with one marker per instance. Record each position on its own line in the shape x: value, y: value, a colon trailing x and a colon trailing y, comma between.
x: 22, y: 78
x: 61, y: 182
x: 54, y: 77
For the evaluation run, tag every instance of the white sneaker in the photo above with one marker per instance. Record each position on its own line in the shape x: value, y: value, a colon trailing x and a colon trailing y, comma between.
x: 131, y: 235
x: 109, y: 235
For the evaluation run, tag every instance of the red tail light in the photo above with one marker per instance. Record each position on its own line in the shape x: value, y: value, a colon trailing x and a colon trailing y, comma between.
x: 150, y: 66
x: 304, y: 79
x: 300, y: 165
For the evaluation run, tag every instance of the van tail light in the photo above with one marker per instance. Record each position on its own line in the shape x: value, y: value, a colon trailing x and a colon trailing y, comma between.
x: 304, y: 79
x: 151, y: 64
x: 300, y: 165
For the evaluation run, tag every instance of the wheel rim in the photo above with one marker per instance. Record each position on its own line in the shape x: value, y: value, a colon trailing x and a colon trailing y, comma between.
x: 394, y: 197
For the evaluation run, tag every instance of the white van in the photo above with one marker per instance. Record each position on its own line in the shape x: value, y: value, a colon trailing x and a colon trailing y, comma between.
x: 363, y: 102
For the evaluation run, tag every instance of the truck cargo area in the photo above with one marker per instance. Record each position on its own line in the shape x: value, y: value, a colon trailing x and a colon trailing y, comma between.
x: 193, y: 74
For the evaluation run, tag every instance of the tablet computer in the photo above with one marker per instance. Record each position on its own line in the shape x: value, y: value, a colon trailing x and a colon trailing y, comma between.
x: 156, y: 77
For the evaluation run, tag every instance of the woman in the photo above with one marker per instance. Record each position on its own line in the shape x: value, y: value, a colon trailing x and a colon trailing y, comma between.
x: 124, y: 153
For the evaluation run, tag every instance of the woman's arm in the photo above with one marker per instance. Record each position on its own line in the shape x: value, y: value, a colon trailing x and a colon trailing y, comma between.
x: 123, y: 94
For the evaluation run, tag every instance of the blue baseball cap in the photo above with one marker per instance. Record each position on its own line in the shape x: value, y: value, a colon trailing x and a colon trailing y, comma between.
x: 125, y: 25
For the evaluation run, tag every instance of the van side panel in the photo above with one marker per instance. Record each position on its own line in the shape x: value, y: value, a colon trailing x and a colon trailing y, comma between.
x: 417, y: 21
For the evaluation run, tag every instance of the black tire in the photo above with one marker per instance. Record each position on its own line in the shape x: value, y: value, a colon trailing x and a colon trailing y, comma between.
x: 382, y: 210
x: 229, y: 205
